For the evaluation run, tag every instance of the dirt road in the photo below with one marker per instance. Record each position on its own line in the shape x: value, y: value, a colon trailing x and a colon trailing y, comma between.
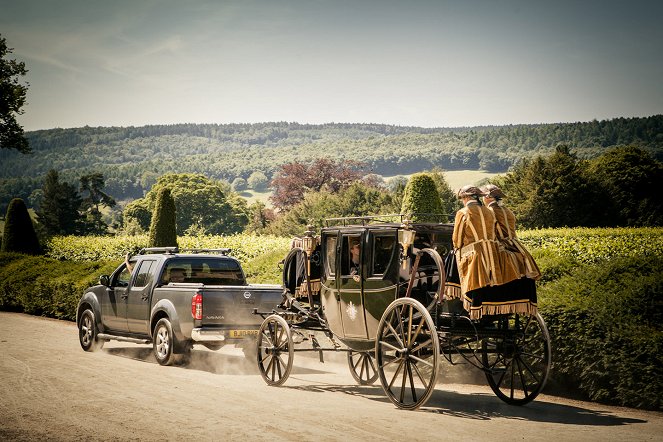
x: 51, y: 389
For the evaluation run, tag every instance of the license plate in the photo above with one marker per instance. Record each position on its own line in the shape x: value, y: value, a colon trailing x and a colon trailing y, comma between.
x: 236, y: 334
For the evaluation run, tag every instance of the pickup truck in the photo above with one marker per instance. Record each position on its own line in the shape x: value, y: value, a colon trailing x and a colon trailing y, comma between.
x: 174, y: 300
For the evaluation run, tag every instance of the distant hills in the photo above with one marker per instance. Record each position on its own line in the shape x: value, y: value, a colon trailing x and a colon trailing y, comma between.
x: 132, y: 158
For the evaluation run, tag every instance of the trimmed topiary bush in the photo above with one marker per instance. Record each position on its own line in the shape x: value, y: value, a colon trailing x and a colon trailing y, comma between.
x: 163, y: 229
x: 421, y: 197
x: 19, y: 235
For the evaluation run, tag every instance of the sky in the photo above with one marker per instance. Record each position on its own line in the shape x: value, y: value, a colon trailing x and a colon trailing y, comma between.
x: 409, y: 62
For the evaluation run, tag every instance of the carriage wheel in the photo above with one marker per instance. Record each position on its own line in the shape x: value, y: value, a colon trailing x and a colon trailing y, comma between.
x: 518, y: 361
x: 275, y: 350
x: 407, y: 349
x: 362, y: 367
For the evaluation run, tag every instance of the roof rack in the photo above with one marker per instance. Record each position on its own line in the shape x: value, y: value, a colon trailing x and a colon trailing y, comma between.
x: 394, y: 217
x: 173, y: 250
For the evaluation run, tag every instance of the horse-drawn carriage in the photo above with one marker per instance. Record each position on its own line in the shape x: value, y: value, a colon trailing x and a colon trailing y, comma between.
x: 393, y: 317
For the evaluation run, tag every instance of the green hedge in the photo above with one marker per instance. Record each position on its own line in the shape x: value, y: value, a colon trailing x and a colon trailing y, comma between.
x: 44, y: 286
x: 606, y: 327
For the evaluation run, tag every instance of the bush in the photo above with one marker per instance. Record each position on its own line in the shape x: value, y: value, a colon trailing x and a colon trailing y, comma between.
x: 44, y: 286
x: 163, y: 230
x: 606, y: 326
x: 421, y: 197
x: 19, y: 234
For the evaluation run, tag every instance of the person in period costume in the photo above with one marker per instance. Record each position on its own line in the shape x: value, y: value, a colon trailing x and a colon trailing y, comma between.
x: 505, y: 230
x: 490, y: 280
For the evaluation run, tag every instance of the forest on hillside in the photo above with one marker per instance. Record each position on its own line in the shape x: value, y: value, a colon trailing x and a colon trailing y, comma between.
x: 132, y: 158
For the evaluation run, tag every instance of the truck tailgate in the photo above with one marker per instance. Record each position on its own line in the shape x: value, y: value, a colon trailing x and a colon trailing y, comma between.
x: 233, y: 305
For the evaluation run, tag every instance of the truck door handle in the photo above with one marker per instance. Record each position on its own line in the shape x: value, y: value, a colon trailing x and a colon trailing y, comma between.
x: 124, y: 296
x: 144, y: 298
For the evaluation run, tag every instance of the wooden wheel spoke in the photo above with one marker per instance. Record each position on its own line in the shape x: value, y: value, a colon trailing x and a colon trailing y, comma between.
x: 395, y: 334
x: 423, y: 361
x: 528, y: 368
x: 386, y: 344
x: 416, y: 333
x: 388, y: 363
x: 522, y: 378
x: 422, y: 345
x: 398, y: 370
x: 412, y: 389
x: 423, y: 381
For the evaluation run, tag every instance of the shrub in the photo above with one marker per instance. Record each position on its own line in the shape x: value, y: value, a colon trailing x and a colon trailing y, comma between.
x: 44, y: 286
x: 421, y: 197
x: 19, y: 233
x: 606, y: 326
x: 163, y: 231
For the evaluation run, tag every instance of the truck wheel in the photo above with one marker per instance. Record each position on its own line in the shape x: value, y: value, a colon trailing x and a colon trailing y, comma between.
x: 164, y: 343
x: 87, y: 332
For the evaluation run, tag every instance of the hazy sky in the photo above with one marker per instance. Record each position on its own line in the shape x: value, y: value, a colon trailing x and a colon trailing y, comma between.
x: 424, y: 63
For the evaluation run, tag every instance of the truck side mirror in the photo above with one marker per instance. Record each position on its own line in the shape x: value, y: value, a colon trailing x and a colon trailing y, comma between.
x: 104, y: 280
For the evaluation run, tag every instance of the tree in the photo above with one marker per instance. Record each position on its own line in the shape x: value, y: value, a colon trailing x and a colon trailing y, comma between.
x: 199, y: 200
x: 421, y: 201
x: 293, y: 180
x: 448, y: 199
x: 355, y: 200
x: 258, y: 181
x: 238, y: 184
x: 93, y: 197
x: 58, y: 211
x: 554, y: 191
x: 631, y: 179
x: 19, y: 234
x: 163, y: 227
x: 12, y: 99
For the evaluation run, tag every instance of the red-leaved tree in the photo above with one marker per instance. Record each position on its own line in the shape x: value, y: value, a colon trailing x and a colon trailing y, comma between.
x: 291, y: 181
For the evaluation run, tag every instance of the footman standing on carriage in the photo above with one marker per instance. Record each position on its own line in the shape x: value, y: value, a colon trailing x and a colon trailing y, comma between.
x: 492, y: 280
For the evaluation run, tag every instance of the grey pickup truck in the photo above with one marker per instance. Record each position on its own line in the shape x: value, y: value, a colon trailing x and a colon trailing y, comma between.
x: 174, y: 300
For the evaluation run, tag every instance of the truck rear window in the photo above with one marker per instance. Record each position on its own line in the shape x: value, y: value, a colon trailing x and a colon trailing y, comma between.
x: 208, y: 271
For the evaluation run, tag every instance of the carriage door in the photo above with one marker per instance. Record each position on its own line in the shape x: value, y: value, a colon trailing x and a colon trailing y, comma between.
x: 350, y: 283
x: 381, y: 278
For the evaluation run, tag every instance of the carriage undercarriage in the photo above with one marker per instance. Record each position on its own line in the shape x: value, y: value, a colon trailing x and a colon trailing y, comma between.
x: 416, y: 331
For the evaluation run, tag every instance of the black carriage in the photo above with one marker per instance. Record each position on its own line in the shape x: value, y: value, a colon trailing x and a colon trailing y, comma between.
x: 392, y: 315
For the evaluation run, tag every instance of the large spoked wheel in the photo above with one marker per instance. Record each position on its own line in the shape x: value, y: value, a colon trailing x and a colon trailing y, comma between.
x: 517, y: 359
x: 275, y: 350
x: 362, y: 367
x: 407, y: 350
x: 87, y: 332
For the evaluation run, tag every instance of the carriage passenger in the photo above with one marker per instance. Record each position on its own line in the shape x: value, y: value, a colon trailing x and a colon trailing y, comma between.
x: 481, y: 262
x: 505, y: 230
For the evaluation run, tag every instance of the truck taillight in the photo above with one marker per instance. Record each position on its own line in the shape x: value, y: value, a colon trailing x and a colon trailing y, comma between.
x: 197, y: 306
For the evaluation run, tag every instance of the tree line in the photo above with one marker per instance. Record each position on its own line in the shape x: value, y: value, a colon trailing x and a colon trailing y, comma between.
x: 132, y: 159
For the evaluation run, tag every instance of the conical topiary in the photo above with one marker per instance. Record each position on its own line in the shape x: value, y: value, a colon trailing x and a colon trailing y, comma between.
x: 19, y: 235
x: 163, y: 230
x: 421, y: 201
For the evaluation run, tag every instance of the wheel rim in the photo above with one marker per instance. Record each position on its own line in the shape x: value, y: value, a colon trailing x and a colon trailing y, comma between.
x: 163, y: 342
x: 362, y: 367
x: 517, y: 362
x: 87, y: 331
x: 407, y: 351
x: 275, y: 350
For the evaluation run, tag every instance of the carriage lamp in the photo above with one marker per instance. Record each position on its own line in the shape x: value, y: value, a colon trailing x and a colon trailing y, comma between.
x: 406, y: 239
x: 308, y: 241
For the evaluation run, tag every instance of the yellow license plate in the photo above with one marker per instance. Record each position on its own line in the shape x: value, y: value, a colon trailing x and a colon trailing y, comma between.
x: 236, y: 334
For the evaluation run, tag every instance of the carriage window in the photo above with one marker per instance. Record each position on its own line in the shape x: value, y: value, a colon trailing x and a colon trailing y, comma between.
x: 330, y: 251
x: 383, y: 250
x: 350, y: 255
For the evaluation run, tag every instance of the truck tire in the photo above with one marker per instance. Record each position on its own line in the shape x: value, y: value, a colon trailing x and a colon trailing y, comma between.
x: 163, y: 341
x: 87, y: 332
